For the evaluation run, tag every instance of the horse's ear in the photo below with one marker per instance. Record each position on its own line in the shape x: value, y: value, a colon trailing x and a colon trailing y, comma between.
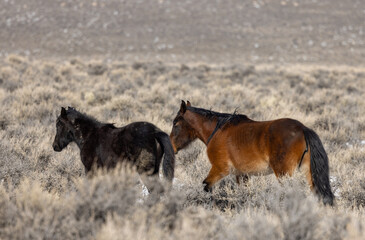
x: 183, y: 107
x: 63, y: 113
x: 188, y: 104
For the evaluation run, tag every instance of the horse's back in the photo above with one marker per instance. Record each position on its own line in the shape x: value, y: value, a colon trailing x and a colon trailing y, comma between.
x: 266, y: 136
x: 140, y: 129
x: 284, y: 133
x: 258, y: 133
x: 285, y: 125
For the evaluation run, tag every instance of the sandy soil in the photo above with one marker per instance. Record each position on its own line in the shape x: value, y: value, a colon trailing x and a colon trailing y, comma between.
x: 262, y: 31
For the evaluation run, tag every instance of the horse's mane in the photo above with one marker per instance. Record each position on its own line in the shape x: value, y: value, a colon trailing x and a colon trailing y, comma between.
x: 222, y: 118
x: 85, y: 118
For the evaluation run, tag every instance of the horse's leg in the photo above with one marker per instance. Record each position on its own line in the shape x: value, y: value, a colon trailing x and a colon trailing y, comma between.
x: 306, y: 167
x: 158, y: 152
x: 287, y: 159
x: 152, y: 183
x: 88, y: 163
x: 219, y: 158
x: 215, y: 174
x: 238, y: 179
x: 220, y: 169
x: 244, y: 178
x: 284, y: 167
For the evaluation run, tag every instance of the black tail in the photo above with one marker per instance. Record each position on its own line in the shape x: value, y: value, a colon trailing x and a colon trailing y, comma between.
x: 319, y: 166
x: 168, y: 164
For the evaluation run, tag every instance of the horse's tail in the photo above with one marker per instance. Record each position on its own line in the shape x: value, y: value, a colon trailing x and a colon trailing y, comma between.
x: 319, y: 166
x: 168, y: 164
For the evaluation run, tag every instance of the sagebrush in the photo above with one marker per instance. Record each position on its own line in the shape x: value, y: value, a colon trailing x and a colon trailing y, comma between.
x: 45, y: 195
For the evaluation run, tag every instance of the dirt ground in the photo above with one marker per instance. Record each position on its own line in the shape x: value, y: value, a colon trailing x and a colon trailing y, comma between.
x: 261, y: 31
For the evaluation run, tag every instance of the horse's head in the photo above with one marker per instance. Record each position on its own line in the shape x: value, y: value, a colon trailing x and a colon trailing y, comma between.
x: 182, y: 134
x: 65, y: 131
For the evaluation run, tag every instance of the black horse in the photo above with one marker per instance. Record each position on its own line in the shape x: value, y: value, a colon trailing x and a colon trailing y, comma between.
x: 103, y: 145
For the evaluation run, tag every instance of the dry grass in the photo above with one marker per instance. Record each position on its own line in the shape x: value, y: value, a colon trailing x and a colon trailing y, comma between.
x: 45, y: 195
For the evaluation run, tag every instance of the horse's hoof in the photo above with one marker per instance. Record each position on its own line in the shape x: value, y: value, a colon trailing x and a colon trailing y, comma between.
x: 206, y: 187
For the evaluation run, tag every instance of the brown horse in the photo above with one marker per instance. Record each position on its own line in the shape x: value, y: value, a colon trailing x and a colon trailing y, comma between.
x: 245, y: 147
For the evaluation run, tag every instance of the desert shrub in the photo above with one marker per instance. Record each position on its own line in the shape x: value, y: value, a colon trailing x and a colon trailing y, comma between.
x: 96, y: 68
x: 31, y: 212
x: 46, y: 195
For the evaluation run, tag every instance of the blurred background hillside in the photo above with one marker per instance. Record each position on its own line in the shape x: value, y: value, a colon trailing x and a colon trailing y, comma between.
x: 229, y: 31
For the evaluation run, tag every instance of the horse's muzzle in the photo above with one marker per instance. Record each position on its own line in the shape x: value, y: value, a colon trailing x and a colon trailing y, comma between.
x: 56, y: 147
x: 175, y: 150
x: 173, y: 146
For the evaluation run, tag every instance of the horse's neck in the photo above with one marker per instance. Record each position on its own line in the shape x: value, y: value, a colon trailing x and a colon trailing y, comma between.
x: 83, y: 132
x: 203, y: 126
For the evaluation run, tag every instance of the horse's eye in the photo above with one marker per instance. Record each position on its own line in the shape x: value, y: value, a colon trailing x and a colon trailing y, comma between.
x: 176, y: 128
x: 176, y: 121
